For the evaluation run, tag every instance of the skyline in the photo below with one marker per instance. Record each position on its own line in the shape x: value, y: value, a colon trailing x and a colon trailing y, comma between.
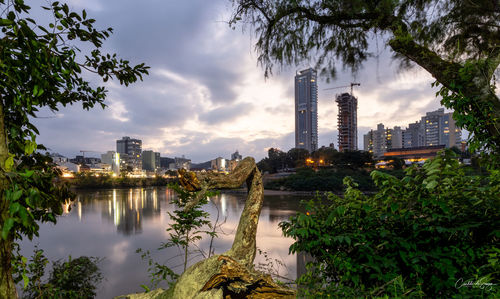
x: 206, y: 96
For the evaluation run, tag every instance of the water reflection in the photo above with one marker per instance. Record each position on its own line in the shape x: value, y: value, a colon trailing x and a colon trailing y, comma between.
x: 114, y: 223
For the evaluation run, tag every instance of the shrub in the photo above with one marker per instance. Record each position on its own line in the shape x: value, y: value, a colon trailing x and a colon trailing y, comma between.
x: 426, y: 234
x: 74, y: 278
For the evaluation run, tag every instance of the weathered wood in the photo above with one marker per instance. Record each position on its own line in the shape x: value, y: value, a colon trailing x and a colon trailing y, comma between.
x: 230, y: 274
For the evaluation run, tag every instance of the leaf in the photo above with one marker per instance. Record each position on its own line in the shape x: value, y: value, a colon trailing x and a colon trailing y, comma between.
x: 394, y: 207
x: 26, y: 280
x: 9, y: 223
x: 27, y: 173
x: 431, y: 185
x: 29, y: 147
x: 9, y: 163
x: 14, y: 208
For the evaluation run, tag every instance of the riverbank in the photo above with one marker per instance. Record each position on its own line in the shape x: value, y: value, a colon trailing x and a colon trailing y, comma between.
x: 108, y: 182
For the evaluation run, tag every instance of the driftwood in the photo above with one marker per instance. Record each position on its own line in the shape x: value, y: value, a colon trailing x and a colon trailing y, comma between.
x: 231, y: 274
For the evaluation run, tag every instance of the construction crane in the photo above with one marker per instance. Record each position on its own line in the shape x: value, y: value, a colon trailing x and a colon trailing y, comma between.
x: 351, y: 85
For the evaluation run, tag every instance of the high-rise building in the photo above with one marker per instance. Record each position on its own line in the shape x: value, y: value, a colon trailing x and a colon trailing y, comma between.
x: 150, y: 160
x: 449, y: 134
x: 130, y: 152
x: 112, y: 158
x: 368, y: 142
x: 413, y: 135
x: 435, y: 128
x: 439, y: 129
x: 397, y: 137
x: 430, y: 123
x: 347, y: 122
x: 379, y: 141
x: 306, y: 110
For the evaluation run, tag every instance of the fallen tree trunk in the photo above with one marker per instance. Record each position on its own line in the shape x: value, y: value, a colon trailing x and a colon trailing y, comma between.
x: 231, y: 274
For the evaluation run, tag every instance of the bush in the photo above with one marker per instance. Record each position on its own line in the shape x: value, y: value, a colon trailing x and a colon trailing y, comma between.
x: 74, y: 278
x: 426, y: 234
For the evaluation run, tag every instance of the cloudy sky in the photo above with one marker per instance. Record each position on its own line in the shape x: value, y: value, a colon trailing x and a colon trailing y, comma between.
x: 206, y: 96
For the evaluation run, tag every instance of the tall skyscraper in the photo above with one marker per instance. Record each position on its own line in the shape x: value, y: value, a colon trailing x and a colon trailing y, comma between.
x: 130, y: 152
x: 306, y: 110
x: 347, y: 122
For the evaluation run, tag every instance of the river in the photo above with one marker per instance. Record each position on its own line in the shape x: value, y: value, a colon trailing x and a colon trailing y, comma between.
x: 113, y: 223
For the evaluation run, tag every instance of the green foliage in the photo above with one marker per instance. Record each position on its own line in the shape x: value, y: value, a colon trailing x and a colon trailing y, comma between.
x: 189, y: 224
x: 74, y: 278
x: 41, y: 66
x: 417, y: 236
x: 33, y: 197
x: 306, y: 179
x: 471, y: 111
x: 157, y: 272
x: 278, y: 160
x: 87, y: 180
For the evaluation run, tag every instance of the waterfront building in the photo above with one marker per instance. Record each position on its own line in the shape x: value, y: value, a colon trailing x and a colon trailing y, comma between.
x: 347, y: 122
x: 396, y: 138
x: 219, y: 164
x: 368, y: 142
x: 435, y: 128
x: 306, y: 110
x: 112, y: 158
x: 130, y: 151
x: 414, y: 154
x: 180, y: 162
x: 440, y: 129
x: 379, y: 141
x: 414, y: 135
x: 150, y: 160
x: 449, y: 134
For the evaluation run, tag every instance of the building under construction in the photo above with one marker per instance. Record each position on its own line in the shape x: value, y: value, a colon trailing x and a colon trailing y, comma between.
x: 347, y: 122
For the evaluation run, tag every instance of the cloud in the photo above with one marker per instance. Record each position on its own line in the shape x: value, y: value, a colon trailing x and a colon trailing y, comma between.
x: 226, y: 113
x: 206, y: 96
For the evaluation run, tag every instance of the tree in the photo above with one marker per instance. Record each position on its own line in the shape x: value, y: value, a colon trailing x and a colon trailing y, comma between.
x: 276, y: 159
x: 42, y: 67
x: 457, y: 42
x: 296, y: 157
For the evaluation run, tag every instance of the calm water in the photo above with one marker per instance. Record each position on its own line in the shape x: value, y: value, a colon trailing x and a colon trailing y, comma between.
x: 113, y: 223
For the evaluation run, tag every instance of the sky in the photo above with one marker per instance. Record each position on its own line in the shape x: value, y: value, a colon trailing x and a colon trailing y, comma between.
x: 206, y: 96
